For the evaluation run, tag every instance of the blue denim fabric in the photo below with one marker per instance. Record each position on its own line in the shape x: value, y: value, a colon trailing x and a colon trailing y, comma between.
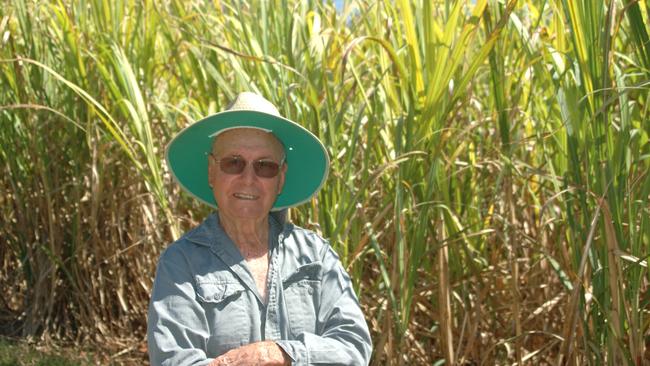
x: 205, y: 301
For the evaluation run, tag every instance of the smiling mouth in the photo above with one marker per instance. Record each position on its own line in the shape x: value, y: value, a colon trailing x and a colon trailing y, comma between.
x: 244, y: 196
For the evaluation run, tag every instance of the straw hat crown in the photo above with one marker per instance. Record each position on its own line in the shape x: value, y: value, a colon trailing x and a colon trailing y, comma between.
x: 248, y: 101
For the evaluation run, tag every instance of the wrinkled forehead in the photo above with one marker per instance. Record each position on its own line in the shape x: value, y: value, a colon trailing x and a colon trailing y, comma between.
x: 246, y: 137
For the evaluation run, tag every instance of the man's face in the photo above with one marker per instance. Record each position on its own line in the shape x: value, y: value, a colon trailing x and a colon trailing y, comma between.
x: 245, y: 196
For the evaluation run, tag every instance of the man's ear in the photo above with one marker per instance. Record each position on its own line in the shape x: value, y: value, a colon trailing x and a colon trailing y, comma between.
x: 283, y: 174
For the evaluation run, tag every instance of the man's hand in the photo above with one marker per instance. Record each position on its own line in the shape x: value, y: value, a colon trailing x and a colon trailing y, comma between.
x: 259, y: 353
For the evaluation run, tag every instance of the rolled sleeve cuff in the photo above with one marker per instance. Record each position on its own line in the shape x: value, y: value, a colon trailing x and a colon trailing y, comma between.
x: 296, y: 351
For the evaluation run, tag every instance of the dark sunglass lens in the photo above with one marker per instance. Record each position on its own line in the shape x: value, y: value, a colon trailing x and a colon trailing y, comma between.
x: 233, y: 165
x: 266, y: 168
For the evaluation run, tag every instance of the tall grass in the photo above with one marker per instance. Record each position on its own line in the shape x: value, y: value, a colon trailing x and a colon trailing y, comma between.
x: 489, y: 184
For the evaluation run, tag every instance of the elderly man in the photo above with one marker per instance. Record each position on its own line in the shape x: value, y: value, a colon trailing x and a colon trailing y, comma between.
x: 245, y: 287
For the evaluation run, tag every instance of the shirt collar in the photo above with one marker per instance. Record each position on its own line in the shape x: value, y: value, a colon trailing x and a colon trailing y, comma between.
x: 207, y: 233
x: 210, y: 231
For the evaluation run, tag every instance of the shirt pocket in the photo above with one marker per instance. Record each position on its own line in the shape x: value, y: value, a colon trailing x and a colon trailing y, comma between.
x: 226, y: 311
x: 302, y: 289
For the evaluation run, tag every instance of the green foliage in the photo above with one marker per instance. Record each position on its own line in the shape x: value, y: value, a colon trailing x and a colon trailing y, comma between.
x: 17, y: 354
x: 489, y: 183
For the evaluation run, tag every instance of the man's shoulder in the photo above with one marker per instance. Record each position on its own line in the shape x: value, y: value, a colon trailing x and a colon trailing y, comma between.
x: 193, y: 242
x: 305, y: 236
x: 306, y: 243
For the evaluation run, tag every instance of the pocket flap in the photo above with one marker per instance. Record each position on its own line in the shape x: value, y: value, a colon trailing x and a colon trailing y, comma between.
x: 310, y: 272
x: 217, y: 291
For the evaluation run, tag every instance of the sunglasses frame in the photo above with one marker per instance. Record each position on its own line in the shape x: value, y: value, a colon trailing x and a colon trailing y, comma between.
x: 255, y: 163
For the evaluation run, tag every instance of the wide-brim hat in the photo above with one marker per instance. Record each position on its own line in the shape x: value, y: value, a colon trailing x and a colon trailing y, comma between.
x: 306, y: 157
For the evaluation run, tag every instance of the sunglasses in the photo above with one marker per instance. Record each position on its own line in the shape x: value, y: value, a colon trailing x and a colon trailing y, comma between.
x: 264, y: 168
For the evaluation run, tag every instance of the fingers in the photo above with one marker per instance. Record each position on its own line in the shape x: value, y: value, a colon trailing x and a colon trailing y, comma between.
x: 225, y: 361
x: 259, y: 353
x: 222, y: 360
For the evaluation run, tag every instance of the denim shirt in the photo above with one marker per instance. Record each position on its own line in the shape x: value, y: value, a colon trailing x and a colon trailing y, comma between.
x: 205, y: 301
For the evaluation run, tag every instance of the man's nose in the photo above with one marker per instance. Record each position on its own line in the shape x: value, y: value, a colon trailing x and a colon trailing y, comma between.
x: 249, y: 172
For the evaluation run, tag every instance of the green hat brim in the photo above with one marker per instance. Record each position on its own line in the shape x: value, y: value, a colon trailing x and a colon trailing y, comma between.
x: 307, y: 159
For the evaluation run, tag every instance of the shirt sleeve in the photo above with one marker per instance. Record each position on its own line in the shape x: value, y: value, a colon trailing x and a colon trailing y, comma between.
x: 177, y: 330
x: 343, y: 337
